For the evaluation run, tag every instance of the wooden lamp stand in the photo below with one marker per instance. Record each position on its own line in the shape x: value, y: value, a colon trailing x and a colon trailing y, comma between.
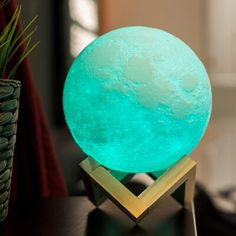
x: 101, y: 183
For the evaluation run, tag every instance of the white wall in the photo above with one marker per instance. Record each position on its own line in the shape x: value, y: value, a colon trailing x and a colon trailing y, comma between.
x: 221, y: 41
x: 183, y: 18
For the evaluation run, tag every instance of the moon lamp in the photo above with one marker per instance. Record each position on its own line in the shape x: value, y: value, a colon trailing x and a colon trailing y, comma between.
x: 137, y: 100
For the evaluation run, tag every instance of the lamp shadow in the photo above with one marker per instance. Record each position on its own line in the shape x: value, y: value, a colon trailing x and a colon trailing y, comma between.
x: 100, y: 223
x: 179, y: 224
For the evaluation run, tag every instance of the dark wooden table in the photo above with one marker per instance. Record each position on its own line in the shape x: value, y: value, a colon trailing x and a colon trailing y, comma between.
x: 76, y: 216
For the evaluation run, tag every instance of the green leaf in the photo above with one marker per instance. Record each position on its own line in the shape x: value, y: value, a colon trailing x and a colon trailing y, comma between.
x: 6, y: 42
x: 4, y: 51
x: 24, y: 39
x: 22, y: 32
x: 26, y: 53
x: 7, y: 37
x: 11, y: 41
x: 15, y: 22
x: 3, y: 44
x: 3, y: 3
x: 7, y: 30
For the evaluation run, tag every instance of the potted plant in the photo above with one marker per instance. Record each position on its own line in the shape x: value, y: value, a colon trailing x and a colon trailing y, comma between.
x: 15, y: 46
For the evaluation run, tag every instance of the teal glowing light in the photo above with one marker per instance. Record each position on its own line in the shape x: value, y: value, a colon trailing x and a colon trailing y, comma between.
x: 137, y: 99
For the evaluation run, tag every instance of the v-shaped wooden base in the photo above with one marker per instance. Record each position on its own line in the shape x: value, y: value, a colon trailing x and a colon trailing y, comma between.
x: 178, y: 181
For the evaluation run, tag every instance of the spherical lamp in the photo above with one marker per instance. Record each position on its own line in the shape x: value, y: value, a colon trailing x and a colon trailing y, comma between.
x: 137, y: 99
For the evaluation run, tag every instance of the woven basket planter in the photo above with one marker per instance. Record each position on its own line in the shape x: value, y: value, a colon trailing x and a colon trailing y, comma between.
x: 9, y: 105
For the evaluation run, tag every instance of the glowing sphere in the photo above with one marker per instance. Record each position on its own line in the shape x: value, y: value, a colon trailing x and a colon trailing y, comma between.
x: 137, y: 99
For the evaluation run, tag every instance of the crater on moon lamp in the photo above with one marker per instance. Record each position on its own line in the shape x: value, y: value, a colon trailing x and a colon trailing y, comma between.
x: 137, y: 99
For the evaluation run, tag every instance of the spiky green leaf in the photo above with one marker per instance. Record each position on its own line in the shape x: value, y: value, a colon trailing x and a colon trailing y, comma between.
x: 23, y: 31
x: 11, y: 42
x: 20, y: 43
x: 27, y: 52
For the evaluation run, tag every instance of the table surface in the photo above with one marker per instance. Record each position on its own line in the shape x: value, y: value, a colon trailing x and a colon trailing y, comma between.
x: 76, y: 216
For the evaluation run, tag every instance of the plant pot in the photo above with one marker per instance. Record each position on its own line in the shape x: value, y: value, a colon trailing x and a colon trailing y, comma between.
x: 9, y: 105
